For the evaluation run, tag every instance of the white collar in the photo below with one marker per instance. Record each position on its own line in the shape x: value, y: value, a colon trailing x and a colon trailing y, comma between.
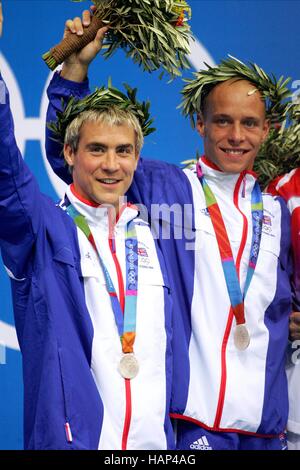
x: 100, y: 215
x: 221, y: 181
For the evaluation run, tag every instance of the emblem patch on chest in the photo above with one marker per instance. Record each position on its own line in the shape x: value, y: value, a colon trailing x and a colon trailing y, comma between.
x: 144, y: 258
x: 267, y: 224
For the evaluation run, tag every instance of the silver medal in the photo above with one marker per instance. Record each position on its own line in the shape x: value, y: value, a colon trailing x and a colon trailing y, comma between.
x: 128, y: 366
x: 241, y: 337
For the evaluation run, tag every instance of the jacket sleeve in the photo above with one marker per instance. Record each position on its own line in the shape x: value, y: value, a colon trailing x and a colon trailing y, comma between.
x: 59, y: 91
x: 157, y: 183
x: 20, y: 208
x: 289, y: 190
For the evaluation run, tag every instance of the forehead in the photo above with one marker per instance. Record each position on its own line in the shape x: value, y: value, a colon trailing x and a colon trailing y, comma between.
x: 236, y: 96
x: 98, y: 131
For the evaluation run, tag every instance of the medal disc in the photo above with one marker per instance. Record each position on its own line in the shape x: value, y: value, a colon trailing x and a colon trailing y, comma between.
x: 241, y: 337
x: 128, y: 366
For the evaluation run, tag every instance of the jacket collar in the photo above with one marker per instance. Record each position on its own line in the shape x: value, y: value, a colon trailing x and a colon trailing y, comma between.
x: 221, y: 181
x: 99, y: 215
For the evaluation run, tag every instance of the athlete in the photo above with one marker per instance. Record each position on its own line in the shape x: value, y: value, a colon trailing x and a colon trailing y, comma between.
x: 91, y: 295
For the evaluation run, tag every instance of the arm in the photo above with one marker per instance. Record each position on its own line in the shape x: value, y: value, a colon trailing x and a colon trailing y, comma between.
x: 19, y: 196
x: 1, y: 19
x: 155, y: 182
x: 72, y: 81
x: 288, y: 187
x: 60, y: 89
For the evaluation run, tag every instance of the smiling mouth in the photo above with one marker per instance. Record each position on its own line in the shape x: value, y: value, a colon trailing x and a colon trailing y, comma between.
x: 235, y: 152
x: 108, y: 181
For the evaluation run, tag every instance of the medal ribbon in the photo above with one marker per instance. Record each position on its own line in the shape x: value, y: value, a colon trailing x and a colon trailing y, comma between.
x: 228, y: 264
x: 126, y: 323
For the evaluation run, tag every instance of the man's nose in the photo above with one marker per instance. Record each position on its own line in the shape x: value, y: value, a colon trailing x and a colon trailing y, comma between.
x: 236, y: 134
x: 110, y: 162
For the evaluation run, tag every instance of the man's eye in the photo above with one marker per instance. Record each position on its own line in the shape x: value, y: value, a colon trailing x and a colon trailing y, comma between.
x: 222, y: 121
x: 250, y: 123
x: 124, y: 150
x: 97, y: 149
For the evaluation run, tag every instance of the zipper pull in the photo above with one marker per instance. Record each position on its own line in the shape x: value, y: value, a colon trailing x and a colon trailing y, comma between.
x: 111, y: 232
x: 68, y: 432
x: 244, y: 187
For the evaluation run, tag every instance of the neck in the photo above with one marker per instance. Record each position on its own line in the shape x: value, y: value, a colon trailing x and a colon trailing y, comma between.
x: 117, y: 208
x: 206, y: 160
x: 209, y: 163
x: 83, y: 199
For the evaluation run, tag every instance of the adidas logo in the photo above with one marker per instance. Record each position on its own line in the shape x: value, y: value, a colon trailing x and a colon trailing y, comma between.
x: 201, y: 444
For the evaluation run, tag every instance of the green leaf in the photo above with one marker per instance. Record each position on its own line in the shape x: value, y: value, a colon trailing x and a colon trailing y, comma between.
x: 145, y: 30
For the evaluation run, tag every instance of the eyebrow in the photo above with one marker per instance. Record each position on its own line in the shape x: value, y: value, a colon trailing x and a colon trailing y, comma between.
x: 251, y: 118
x: 95, y: 144
x: 125, y: 147
x: 227, y: 116
x: 220, y: 115
x: 91, y: 145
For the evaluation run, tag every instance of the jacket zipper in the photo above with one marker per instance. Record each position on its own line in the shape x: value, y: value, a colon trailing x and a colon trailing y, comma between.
x: 67, y: 426
x: 220, y: 406
x: 128, y: 407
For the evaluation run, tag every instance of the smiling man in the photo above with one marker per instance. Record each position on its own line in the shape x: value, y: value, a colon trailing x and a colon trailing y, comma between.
x: 229, y: 271
x: 102, y: 157
x: 92, y: 304
x: 233, y: 125
x: 91, y: 295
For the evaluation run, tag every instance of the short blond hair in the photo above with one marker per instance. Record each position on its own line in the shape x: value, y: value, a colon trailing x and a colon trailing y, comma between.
x: 113, y: 116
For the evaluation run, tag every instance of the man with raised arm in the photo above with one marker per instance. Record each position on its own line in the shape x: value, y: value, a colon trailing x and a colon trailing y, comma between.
x: 91, y: 296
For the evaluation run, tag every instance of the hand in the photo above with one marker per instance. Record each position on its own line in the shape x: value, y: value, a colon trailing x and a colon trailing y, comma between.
x: 75, y: 68
x: 294, y: 328
x: 1, y: 19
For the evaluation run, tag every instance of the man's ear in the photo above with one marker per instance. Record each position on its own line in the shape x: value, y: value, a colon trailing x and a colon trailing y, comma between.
x: 200, y: 124
x: 137, y: 157
x: 266, y: 129
x: 69, y: 155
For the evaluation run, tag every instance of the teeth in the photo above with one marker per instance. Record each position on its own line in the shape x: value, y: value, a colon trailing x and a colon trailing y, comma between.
x: 235, y: 152
x: 108, y: 181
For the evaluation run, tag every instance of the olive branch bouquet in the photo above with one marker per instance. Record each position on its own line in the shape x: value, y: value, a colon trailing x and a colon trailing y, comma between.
x: 153, y: 33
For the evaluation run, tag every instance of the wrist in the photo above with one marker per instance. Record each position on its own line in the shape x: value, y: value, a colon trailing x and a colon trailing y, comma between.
x: 74, y: 72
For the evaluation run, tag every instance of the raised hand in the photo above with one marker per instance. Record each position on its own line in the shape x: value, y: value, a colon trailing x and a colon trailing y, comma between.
x: 76, y: 66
